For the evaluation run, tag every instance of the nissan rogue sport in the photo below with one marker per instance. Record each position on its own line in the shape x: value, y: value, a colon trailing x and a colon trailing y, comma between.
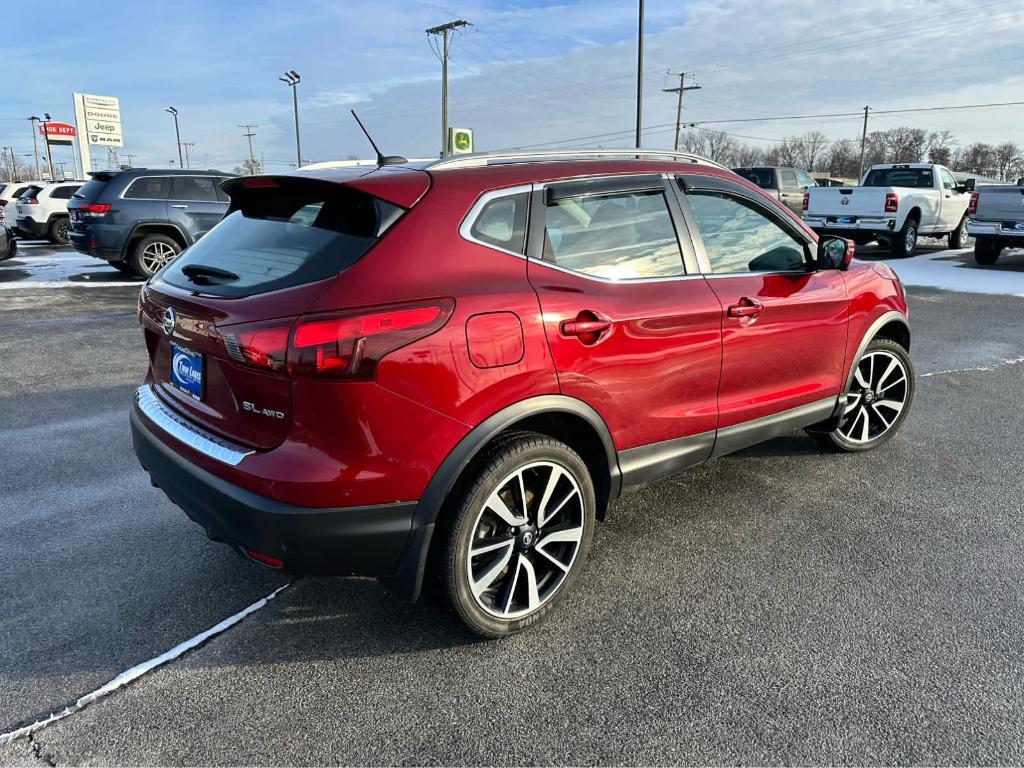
x: 447, y: 371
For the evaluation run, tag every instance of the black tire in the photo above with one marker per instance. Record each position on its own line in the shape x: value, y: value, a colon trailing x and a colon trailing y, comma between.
x: 123, y: 266
x: 958, y: 237
x: 852, y: 436
x: 58, y: 231
x: 904, y: 243
x: 148, y: 254
x: 986, y: 251
x: 472, y: 517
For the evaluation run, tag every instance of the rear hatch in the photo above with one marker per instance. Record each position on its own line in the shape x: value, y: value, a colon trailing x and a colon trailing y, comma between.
x: 28, y: 202
x: 1003, y: 204
x: 217, y: 319
x: 82, y: 207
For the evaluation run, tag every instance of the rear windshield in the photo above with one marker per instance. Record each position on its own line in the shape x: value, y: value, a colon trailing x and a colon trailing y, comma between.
x: 899, y: 177
x: 283, y: 237
x: 91, y: 189
x: 30, y: 192
x: 763, y: 177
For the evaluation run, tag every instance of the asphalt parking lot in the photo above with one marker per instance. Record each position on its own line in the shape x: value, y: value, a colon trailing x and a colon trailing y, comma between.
x: 780, y: 605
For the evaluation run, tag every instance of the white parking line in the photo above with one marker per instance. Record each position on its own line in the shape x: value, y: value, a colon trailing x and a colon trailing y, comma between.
x: 69, y: 284
x: 139, y: 670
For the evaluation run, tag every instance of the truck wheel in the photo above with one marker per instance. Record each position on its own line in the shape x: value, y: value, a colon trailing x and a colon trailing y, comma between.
x: 905, y: 242
x: 958, y: 237
x: 58, y: 232
x: 518, y: 535
x: 151, y: 253
x: 986, y: 250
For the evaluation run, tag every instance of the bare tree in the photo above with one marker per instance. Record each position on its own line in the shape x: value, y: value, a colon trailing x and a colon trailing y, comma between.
x: 695, y: 142
x: 721, y: 147
x: 747, y: 155
x: 807, y: 149
x: 1007, y: 160
x: 941, y: 145
x: 249, y: 168
x: 842, y: 159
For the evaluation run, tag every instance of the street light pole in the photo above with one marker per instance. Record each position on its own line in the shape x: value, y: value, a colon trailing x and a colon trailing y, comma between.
x: 640, y: 75
x: 292, y: 79
x: 35, y: 144
x: 46, y: 143
x: 177, y: 134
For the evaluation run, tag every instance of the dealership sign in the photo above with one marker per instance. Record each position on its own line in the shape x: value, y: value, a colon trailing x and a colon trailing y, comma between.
x: 99, y: 119
x: 58, y: 133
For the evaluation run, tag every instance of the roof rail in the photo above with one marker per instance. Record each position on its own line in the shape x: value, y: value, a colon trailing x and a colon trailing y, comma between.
x: 480, y: 159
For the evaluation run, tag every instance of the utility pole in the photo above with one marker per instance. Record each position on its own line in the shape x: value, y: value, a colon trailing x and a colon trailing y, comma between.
x: 252, y: 155
x: 863, y: 143
x: 640, y: 74
x: 679, y: 104
x: 291, y: 78
x: 188, y: 147
x: 177, y: 134
x: 444, y: 30
x: 35, y: 145
x: 130, y: 157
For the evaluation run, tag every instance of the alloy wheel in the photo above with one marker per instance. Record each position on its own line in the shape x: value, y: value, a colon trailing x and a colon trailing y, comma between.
x: 910, y: 240
x: 525, y: 540
x: 876, y: 397
x: 156, y: 255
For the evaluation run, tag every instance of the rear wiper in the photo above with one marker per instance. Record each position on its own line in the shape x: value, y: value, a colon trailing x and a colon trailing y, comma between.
x: 204, y: 275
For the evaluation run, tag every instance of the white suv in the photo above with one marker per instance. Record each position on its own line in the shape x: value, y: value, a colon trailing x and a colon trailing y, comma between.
x: 42, y: 211
x: 10, y: 191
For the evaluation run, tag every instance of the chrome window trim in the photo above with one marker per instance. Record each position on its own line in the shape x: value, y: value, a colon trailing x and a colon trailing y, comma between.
x: 539, y: 187
x: 465, y: 228
x: 177, y: 427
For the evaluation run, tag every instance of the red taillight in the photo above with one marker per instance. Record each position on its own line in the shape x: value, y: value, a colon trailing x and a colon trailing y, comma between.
x: 892, y: 202
x: 3, y: 203
x: 94, y: 209
x: 350, y: 345
x: 263, y: 345
x: 807, y: 199
x: 972, y: 207
x: 30, y: 201
x: 258, y: 182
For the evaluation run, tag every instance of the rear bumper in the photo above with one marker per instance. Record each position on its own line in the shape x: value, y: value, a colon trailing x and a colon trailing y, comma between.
x: 342, y: 541
x: 993, y: 229
x: 102, y: 242
x: 31, y: 227
x: 863, y: 225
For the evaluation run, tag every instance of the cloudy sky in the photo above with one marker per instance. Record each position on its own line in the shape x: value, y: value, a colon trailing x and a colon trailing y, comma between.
x: 527, y: 73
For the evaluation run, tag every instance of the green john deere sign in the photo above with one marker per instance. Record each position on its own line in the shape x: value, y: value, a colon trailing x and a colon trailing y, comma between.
x: 460, y: 141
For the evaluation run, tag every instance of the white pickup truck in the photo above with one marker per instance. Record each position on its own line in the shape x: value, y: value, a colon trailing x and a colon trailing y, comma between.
x: 894, y: 204
x: 996, y: 220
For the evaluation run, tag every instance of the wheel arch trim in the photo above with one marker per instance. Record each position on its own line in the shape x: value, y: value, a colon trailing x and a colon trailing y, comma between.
x: 892, y: 316
x: 408, y: 581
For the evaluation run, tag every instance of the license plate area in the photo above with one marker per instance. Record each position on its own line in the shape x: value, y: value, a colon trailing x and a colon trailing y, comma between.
x: 187, y: 371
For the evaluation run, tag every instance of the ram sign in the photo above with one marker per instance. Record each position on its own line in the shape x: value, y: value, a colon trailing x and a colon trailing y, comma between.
x: 99, y: 120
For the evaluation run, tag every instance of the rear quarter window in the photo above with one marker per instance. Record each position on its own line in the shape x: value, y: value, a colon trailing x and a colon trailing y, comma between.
x: 275, y: 238
x: 149, y: 188
x: 762, y: 177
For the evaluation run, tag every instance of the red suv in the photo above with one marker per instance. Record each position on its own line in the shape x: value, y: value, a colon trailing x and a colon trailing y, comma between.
x: 452, y: 368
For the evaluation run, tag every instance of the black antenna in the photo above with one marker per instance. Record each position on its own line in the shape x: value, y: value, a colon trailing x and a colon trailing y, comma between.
x: 382, y: 159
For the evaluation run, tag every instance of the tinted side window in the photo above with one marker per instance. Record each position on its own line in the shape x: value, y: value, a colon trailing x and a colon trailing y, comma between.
x: 63, y: 193
x: 502, y: 222
x: 739, y: 237
x: 620, y: 236
x: 149, y: 188
x: 222, y: 196
x: 789, y: 179
x: 197, y: 188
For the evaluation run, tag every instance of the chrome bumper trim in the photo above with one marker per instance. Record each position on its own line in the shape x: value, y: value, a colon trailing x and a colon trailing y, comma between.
x: 991, y: 228
x: 159, y: 414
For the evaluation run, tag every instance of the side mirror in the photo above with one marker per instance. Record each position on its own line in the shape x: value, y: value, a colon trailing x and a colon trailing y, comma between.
x: 961, y: 188
x: 835, y: 253
x: 969, y: 185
